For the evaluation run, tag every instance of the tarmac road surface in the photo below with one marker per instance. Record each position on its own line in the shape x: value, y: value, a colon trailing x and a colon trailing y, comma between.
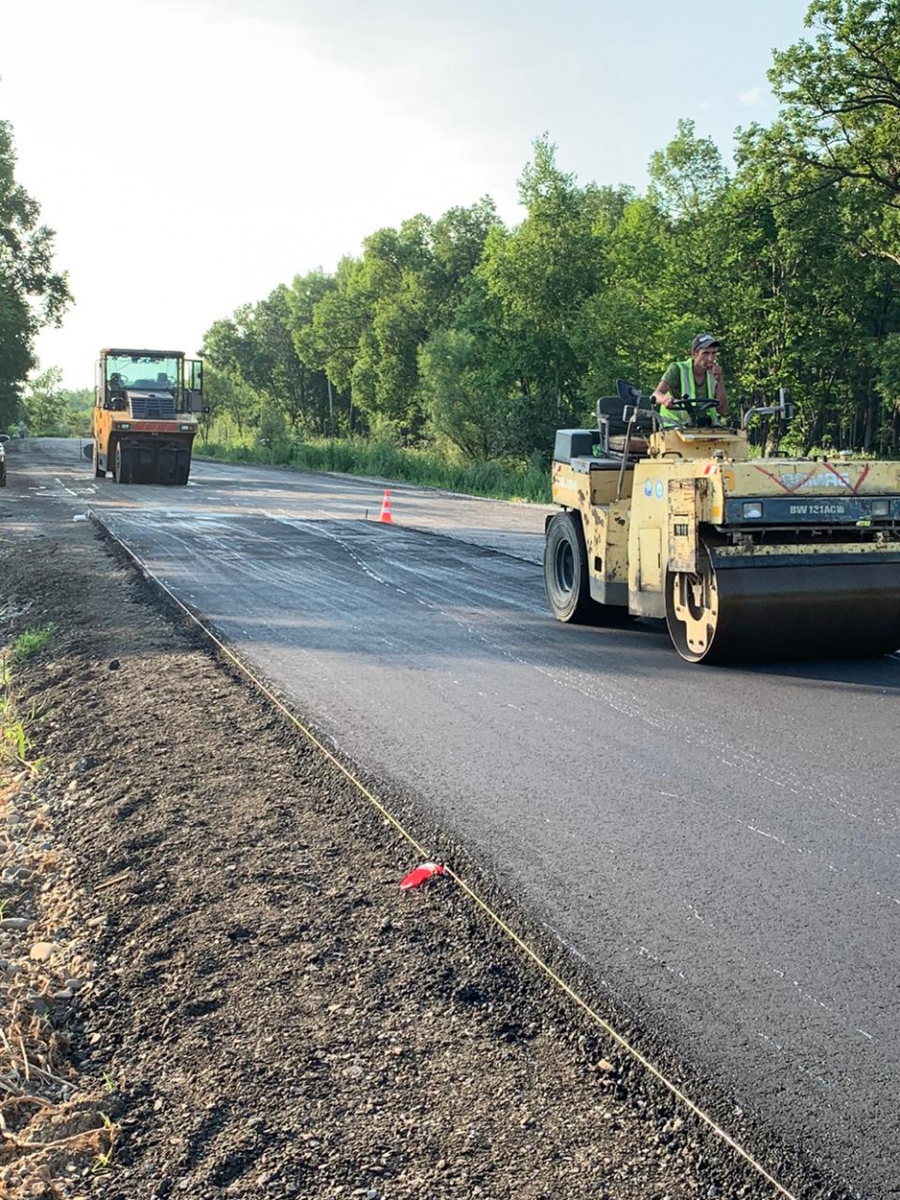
x: 720, y: 845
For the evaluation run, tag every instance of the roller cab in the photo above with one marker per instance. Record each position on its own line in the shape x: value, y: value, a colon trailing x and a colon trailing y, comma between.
x: 743, y: 559
x: 145, y: 415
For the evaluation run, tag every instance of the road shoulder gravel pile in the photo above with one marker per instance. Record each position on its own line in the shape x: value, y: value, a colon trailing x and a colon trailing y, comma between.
x: 232, y: 996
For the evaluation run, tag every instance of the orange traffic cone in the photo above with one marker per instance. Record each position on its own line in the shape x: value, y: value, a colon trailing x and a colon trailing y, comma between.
x: 386, y: 508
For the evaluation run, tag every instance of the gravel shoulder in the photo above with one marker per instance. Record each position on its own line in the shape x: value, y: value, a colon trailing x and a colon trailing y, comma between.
x: 235, y: 997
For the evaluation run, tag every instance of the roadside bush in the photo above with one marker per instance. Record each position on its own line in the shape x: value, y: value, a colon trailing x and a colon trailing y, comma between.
x: 503, y: 479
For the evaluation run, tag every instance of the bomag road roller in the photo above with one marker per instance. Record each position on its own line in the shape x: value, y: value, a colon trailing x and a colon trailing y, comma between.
x: 745, y: 558
x: 145, y: 415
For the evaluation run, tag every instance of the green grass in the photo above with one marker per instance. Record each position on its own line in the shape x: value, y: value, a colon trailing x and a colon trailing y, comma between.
x: 15, y: 742
x: 498, y: 479
x: 31, y: 642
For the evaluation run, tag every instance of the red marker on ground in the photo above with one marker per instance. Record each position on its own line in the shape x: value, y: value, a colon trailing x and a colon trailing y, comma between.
x: 421, y: 875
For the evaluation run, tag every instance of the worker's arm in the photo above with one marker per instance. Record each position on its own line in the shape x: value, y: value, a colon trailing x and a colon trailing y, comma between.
x: 662, y: 394
x: 721, y: 394
x: 669, y: 387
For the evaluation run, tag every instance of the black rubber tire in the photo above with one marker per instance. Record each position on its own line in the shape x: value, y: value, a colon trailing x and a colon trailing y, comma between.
x: 566, y: 570
x: 124, y: 470
x: 98, y: 474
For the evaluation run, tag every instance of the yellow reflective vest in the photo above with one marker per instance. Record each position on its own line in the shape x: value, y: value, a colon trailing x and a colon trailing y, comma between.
x: 688, y: 389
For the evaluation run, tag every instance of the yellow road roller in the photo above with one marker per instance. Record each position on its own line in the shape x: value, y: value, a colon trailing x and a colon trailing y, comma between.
x: 145, y: 415
x: 746, y: 559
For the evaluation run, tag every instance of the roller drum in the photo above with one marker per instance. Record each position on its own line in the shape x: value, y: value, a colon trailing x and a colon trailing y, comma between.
x: 841, y: 607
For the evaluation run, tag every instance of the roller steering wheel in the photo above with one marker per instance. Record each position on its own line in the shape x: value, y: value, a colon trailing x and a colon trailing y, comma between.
x: 697, y: 410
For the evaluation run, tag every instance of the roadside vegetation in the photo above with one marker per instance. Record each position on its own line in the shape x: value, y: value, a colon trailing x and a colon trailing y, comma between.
x: 500, y: 479
x: 50, y: 410
x: 32, y: 294
x: 473, y: 342
x: 15, y: 739
x: 450, y: 349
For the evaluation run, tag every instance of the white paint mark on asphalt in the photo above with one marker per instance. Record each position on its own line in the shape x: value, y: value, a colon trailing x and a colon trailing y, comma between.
x: 828, y: 1084
x: 801, y: 991
x: 762, y: 833
x: 570, y: 946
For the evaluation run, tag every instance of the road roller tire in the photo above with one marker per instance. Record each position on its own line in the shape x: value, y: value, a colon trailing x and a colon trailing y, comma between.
x: 565, y: 570
x: 848, y: 607
x: 124, y: 465
x: 566, y: 579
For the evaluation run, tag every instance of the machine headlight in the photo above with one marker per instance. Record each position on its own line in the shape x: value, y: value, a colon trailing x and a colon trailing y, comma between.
x: 185, y: 428
x: 881, y: 508
x: 752, y: 508
x: 122, y: 425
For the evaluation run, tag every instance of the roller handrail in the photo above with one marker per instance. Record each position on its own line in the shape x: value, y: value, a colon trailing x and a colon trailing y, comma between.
x: 783, y: 409
x: 630, y: 413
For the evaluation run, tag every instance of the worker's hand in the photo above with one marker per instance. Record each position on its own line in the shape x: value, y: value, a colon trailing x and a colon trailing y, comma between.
x: 717, y: 371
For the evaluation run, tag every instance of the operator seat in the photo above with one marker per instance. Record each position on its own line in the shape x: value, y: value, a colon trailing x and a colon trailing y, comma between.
x: 613, y: 428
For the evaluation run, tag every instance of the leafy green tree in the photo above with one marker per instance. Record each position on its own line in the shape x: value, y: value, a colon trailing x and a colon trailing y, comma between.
x: 887, y: 357
x: 45, y: 404
x: 808, y: 309
x: 464, y: 410
x: 328, y: 336
x: 840, y: 120
x: 664, y: 267
x: 79, y: 405
x: 234, y: 404
x: 32, y: 294
x: 537, y: 278
x: 304, y: 294
x: 277, y: 370
x: 621, y: 328
x: 689, y: 186
x: 366, y: 327
x: 256, y: 348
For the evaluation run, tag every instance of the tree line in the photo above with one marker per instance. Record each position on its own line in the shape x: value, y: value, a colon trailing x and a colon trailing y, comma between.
x: 480, y: 340
x: 32, y: 293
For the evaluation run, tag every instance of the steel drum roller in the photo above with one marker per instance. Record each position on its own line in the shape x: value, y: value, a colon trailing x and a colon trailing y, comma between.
x: 841, y: 606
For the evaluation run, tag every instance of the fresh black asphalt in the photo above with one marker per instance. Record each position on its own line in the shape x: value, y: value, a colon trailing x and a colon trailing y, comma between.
x: 720, y: 845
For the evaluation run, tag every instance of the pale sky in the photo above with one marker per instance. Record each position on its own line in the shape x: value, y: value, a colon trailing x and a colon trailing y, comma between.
x: 192, y: 154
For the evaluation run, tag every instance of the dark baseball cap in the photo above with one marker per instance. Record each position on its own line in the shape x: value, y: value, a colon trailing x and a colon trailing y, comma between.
x: 704, y: 341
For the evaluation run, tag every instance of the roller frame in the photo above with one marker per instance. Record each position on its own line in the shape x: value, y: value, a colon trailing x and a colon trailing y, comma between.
x: 814, y: 574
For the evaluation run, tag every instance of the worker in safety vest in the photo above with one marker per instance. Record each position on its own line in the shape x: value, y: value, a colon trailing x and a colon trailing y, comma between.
x: 697, y: 378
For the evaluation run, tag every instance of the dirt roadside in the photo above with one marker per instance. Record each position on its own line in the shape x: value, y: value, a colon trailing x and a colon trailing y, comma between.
x: 238, y: 1000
